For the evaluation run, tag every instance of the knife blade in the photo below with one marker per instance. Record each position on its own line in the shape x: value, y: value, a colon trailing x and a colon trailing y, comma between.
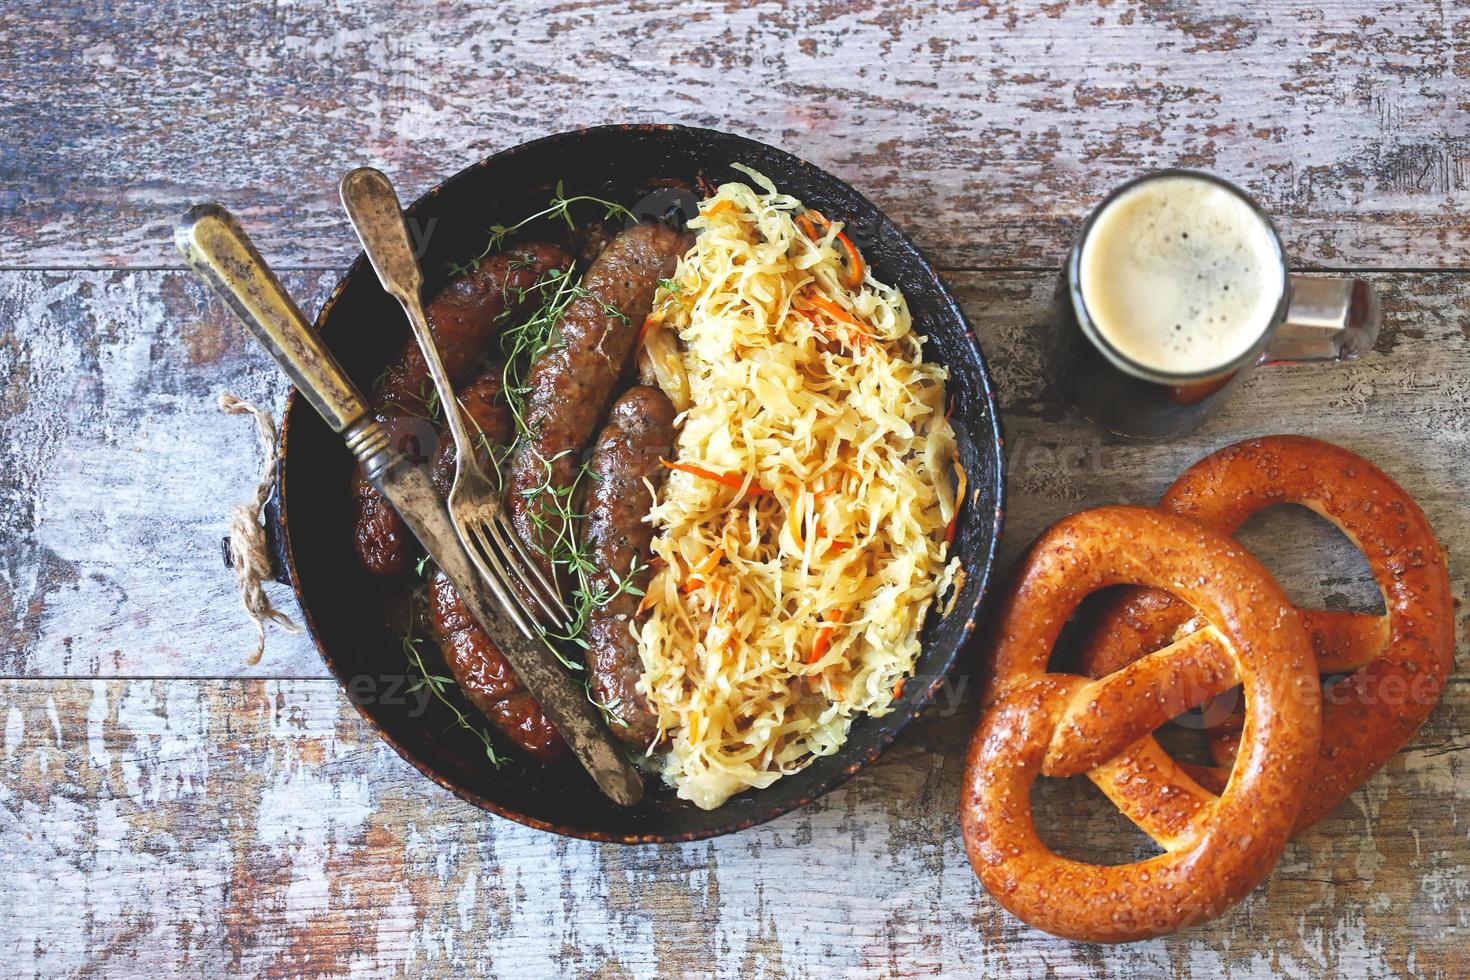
x: 410, y: 492
x: 217, y: 248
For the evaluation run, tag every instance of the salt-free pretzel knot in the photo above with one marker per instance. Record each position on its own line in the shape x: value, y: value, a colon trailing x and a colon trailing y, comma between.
x: 1397, y: 662
x: 1038, y: 723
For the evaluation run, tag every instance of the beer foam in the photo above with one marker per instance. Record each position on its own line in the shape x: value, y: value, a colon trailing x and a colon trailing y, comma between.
x: 1180, y: 275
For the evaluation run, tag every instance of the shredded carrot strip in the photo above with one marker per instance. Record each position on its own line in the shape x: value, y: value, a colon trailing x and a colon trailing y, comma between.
x: 715, y: 557
x: 728, y: 479
x: 898, y: 688
x: 695, y: 582
x: 959, y: 501
x: 649, y: 322
x: 724, y: 204
x: 855, y: 339
x: 856, y: 268
x: 838, y: 547
x: 821, y: 327
x: 832, y: 309
x: 824, y: 637
x: 824, y: 640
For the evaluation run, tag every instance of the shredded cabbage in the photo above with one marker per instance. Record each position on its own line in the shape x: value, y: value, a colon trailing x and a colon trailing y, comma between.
x: 803, y: 542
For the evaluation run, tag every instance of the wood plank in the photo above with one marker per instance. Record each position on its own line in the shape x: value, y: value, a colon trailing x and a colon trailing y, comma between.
x: 247, y: 827
x: 990, y: 130
x: 118, y: 472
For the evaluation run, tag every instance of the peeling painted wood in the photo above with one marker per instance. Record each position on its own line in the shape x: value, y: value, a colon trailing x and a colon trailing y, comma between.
x: 242, y: 827
x: 118, y: 471
x: 186, y: 815
x: 989, y: 129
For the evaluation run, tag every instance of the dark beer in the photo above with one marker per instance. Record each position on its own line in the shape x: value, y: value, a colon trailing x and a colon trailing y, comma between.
x: 1172, y: 292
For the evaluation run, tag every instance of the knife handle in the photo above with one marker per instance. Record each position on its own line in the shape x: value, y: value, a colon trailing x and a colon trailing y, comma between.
x: 217, y: 248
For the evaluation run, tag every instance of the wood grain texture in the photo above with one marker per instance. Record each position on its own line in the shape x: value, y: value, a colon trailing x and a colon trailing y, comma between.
x: 237, y: 828
x: 255, y: 825
x: 168, y: 811
x: 989, y: 129
x: 118, y: 470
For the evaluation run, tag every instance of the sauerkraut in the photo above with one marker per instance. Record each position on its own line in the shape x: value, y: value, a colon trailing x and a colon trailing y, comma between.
x: 801, y: 533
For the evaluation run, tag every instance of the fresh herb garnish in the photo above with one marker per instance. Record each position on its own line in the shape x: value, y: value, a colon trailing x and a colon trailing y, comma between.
x: 560, y: 207
x: 608, y: 709
x: 438, y: 684
x: 554, y: 518
x: 428, y: 399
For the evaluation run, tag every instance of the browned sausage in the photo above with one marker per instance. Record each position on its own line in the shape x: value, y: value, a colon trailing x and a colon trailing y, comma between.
x: 463, y: 318
x: 384, y: 543
x: 488, y: 419
x: 485, y: 678
x: 640, y: 429
x: 465, y: 315
x: 571, y: 384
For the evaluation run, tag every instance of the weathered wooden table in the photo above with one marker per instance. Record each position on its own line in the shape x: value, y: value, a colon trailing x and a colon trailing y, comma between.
x: 168, y: 809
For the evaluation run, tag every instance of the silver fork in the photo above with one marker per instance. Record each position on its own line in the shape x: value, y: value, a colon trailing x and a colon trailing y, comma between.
x: 484, y: 528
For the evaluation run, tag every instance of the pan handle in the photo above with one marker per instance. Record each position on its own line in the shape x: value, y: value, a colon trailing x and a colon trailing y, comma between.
x: 275, y: 535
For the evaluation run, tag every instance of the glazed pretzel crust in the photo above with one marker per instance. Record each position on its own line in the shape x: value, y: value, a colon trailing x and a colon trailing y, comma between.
x: 1038, y: 723
x: 1397, y: 662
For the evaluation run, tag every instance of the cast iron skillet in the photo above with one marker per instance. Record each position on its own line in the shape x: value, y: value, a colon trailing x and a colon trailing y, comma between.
x: 641, y: 167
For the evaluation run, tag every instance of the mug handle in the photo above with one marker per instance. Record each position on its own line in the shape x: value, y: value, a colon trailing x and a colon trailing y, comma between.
x: 1326, y: 320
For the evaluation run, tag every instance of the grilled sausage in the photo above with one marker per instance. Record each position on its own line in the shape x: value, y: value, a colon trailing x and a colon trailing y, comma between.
x: 465, y: 315
x: 484, y: 676
x: 485, y: 415
x: 384, y: 543
x: 640, y: 429
x: 463, y: 318
x: 571, y: 384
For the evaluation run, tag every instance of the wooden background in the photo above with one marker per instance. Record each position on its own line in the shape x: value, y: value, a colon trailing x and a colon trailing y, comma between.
x: 169, y: 810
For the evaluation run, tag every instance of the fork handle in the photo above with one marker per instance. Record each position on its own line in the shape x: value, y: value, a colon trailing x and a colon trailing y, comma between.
x: 373, y: 208
x: 217, y: 248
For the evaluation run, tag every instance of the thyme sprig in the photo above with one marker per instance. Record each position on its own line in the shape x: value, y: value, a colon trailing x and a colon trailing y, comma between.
x: 428, y: 399
x: 438, y: 684
x: 559, y: 208
x: 555, y: 519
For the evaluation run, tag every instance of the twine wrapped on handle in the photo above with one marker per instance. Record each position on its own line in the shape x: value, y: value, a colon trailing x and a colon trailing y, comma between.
x: 249, y: 554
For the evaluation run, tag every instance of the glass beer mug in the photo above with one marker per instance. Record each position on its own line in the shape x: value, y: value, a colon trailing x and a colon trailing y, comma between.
x: 1176, y: 288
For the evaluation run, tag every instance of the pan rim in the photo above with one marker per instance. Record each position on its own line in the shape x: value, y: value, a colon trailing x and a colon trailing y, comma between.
x: 983, y: 565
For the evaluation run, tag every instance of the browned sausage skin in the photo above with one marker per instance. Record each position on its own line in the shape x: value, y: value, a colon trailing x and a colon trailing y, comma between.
x: 488, y: 419
x: 474, y: 660
x: 640, y: 429
x: 384, y: 543
x: 463, y: 317
x: 484, y: 676
x: 571, y: 384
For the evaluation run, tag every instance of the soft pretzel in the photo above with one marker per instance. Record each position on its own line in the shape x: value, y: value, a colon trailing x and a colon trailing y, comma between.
x: 1398, y: 662
x: 1039, y: 723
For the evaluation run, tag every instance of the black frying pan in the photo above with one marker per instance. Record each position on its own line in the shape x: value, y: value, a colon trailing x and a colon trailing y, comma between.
x: 651, y: 169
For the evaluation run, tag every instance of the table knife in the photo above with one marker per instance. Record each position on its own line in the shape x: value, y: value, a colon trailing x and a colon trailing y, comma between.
x: 217, y: 248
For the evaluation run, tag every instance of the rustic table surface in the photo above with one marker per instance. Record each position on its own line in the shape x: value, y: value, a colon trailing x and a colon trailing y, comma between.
x: 169, y: 809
